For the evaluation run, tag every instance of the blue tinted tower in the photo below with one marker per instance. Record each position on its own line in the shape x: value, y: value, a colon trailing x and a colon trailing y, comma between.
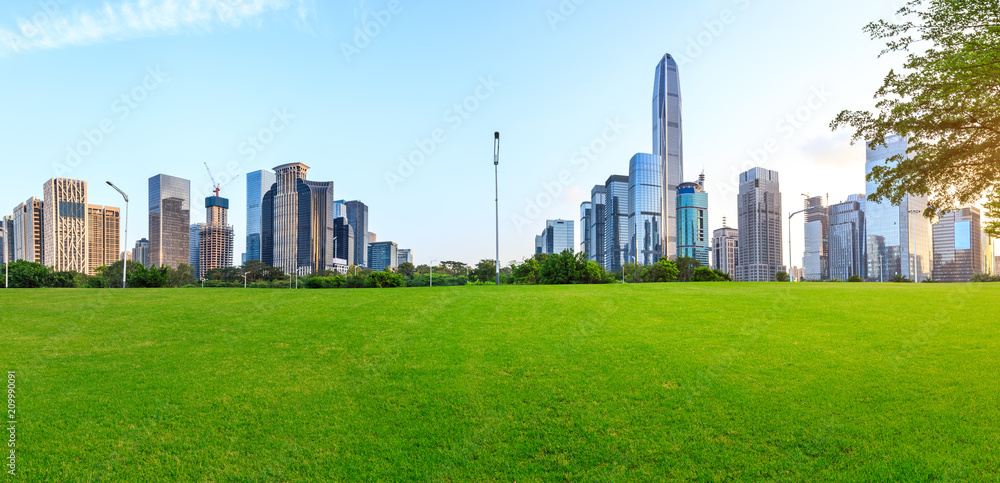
x: 692, y: 222
x: 645, y: 214
x: 258, y: 183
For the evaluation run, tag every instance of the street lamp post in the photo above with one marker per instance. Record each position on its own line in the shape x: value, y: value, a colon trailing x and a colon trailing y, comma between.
x: 125, y: 241
x: 245, y: 279
x: 790, y: 241
x: 432, y: 271
x: 6, y: 256
x: 496, y: 181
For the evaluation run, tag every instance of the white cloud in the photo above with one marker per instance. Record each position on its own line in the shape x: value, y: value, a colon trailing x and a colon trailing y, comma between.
x: 53, y: 26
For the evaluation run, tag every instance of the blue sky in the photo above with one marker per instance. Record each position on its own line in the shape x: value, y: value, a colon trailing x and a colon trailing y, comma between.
x: 124, y: 90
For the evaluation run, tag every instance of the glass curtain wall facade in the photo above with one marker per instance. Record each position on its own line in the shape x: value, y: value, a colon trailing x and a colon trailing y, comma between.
x: 586, y: 213
x: 194, y: 256
x: 899, y: 237
x: 383, y: 255
x: 344, y: 245
x: 815, y: 260
x: 668, y: 144
x: 958, y: 246
x: 65, y: 225
x: 760, y: 226
x: 645, y: 213
x: 556, y: 238
x: 597, y: 224
x: 357, y: 217
x: 140, y: 254
x: 616, y: 222
x: 258, y: 183
x: 692, y: 223
x: 847, y: 255
x: 169, y: 221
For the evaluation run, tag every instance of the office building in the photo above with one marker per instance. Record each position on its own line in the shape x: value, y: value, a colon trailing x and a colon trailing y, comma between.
x: 815, y: 259
x: 104, y: 225
x: 194, y: 257
x: 760, y: 223
x: 372, y: 237
x: 556, y: 238
x: 668, y: 144
x: 403, y: 255
x: 28, y: 237
x: 140, y: 254
x: 725, y: 249
x: 616, y: 222
x: 297, y: 230
x: 344, y: 242
x: 899, y: 238
x: 958, y: 246
x: 586, y: 213
x: 215, y: 241
x: 597, y: 223
x: 357, y: 217
x: 692, y: 222
x: 847, y: 245
x: 65, y: 225
x: 169, y: 221
x: 645, y: 213
x: 382, y: 255
x: 258, y: 183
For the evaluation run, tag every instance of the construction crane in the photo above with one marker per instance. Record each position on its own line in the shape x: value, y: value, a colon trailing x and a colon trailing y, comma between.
x: 215, y: 184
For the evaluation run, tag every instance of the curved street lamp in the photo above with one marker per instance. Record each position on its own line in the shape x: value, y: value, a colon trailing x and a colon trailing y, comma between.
x: 125, y: 240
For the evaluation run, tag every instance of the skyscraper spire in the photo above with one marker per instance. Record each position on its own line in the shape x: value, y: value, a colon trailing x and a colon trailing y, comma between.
x: 668, y: 145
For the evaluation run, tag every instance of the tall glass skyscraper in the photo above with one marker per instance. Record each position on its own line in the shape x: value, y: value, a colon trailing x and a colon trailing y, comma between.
x: 597, y: 225
x: 616, y: 222
x: 959, y: 247
x: 760, y: 223
x: 586, y: 213
x: 692, y: 222
x: 357, y: 217
x: 847, y: 239
x: 668, y: 143
x: 815, y: 260
x: 645, y: 214
x: 169, y: 221
x: 258, y: 183
x: 556, y: 238
x: 899, y: 237
x: 297, y: 228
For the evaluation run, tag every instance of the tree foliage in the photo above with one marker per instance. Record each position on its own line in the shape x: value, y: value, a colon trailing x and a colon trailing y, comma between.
x: 782, y: 277
x: 946, y: 100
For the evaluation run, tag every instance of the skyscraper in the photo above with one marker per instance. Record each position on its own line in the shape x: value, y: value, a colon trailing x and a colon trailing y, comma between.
x: 382, y: 255
x: 847, y: 239
x: 597, y: 223
x: 645, y: 213
x: 556, y: 237
x: 958, y: 246
x: 586, y: 213
x: 899, y: 237
x: 725, y: 249
x: 140, y: 254
x: 103, y: 227
x: 344, y: 244
x: 29, y: 236
x: 692, y: 222
x: 403, y: 255
x: 297, y: 229
x: 759, y: 208
x: 65, y: 225
x: 616, y: 222
x: 258, y: 183
x: 815, y: 260
x: 215, y: 240
x: 169, y: 221
x: 357, y: 217
x: 668, y: 144
x: 194, y: 245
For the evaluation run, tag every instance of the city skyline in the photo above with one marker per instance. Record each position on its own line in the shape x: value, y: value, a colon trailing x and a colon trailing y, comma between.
x: 171, y: 107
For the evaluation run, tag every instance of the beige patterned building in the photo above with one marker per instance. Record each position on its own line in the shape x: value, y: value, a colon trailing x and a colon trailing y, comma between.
x: 65, y: 225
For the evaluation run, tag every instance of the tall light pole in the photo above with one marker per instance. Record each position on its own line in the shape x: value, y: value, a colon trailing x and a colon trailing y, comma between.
x: 496, y: 180
x: 432, y: 272
x: 6, y: 256
x: 125, y: 241
x: 912, y: 242
x: 790, y: 241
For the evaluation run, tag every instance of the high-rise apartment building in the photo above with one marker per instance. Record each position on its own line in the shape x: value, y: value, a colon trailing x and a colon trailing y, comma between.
x: 65, y: 225
x: 815, y: 259
x: 258, y: 183
x: 297, y: 231
x: 759, y: 208
x: 692, y: 222
x: 616, y: 206
x: 357, y: 217
x: 140, y: 254
x: 958, y: 246
x: 215, y: 239
x: 597, y: 223
x: 899, y: 237
x: 556, y: 237
x: 645, y: 212
x: 103, y: 227
x: 847, y: 245
x: 169, y: 221
x: 586, y: 213
x: 725, y: 249
x: 382, y: 255
x: 28, y: 235
x: 668, y: 144
x: 404, y: 255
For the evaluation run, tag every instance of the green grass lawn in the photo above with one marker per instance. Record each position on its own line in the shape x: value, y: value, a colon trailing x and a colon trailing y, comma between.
x: 664, y: 382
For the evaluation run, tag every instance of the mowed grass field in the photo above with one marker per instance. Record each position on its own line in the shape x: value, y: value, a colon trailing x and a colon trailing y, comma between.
x: 664, y: 382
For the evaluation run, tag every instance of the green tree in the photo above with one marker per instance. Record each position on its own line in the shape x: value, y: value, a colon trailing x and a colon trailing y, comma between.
x: 180, y: 276
x: 782, y: 277
x: 559, y: 269
x: 898, y: 278
x: 663, y: 270
x: 25, y: 274
x: 855, y: 279
x: 526, y: 272
x: 485, y: 271
x: 406, y: 269
x: 685, y: 268
x: 705, y: 274
x: 140, y: 276
x: 944, y: 100
x: 725, y: 276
